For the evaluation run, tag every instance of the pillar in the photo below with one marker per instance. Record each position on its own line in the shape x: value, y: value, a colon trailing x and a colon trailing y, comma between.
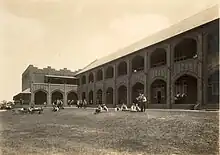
x: 172, y: 83
x: 128, y: 83
x: 200, y: 70
x: 114, y: 85
x: 32, y: 94
x: 146, y: 69
x: 49, y: 96
x: 168, y: 86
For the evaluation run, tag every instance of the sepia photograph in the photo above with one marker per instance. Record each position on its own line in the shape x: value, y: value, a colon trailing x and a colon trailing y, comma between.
x: 109, y: 77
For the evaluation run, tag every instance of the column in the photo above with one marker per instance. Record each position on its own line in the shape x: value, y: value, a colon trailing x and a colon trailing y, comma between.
x: 168, y: 86
x: 129, y: 90
x: 65, y: 95
x: 205, y: 71
x: 172, y: 83
x: 146, y: 69
x: 32, y: 94
x: 114, y: 85
x: 49, y: 95
x: 199, y: 80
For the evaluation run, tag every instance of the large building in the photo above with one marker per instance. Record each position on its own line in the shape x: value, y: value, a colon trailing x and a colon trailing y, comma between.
x: 47, y: 85
x: 183, y: 58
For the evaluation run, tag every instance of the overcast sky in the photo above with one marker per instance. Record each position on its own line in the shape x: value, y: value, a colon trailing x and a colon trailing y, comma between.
x: 72, y: 33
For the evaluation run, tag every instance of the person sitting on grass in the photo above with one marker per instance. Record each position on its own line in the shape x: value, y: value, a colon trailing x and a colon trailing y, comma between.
x: 98, y: 109
x: 105, y: 107
x: 124, y: 107
x: 133, y: 108
x: 117, y: 108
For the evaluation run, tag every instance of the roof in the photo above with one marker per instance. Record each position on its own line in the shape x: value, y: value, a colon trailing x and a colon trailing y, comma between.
x: 26, y: 91
x: 59, y: 76
x: 194, y: 21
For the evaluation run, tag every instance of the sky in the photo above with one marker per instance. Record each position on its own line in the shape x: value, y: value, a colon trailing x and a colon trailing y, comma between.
x: 73, y: 33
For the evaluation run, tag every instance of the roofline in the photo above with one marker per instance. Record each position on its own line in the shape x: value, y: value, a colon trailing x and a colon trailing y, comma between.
x: 138, y: 47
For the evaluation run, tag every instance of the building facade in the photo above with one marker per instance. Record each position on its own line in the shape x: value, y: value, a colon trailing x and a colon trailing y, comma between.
x: 182, y: 59
x: 47, y: 85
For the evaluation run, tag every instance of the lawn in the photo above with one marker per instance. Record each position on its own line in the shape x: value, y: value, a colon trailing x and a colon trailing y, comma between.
x: 78, y: 131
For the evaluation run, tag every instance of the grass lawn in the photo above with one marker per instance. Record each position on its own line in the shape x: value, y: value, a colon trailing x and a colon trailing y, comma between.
x: 78, y: 131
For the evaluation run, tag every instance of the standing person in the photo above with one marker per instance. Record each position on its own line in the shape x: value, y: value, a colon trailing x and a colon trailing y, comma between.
x: 84, y: 103
x: 144, y: 101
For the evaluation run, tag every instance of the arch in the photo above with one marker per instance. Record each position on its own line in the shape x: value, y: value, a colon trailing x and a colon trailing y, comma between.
x: 56, y: 95
x: 158, y: 58
x: 189, y: 73
x: 137, y: 63
x: 109, y: 72
x: 109, y: 95
x: 91, y: 101
x: 91, y: 78
x: 158, y: 92
x: 213, y: 88
x: 99, y: 96
x: 136, y: 89
x: 83, y: 95
x: 185, y: 86
x: 40, y: 97
x: 122, y: 94
x: 185, y: 49
x: 83, y: 80
x: 99, y: 75
x: 122, y: 68
x: 72, y: 97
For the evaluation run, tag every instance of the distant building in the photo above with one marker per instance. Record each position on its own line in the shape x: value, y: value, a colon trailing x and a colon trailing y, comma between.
x: 182, y: 59
x: 47, y: 85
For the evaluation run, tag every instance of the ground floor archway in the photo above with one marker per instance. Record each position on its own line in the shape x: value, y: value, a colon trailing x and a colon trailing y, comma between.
x: 186, y: 90
x: 40, y: 97
x: 109, y: 96
x: 122, y: 95
x: 83, y: 95
x: 72, y: 97
x: 91, y: 97
x: 99, y: 97
x: 136, y: 89
x: 57, y: 95
x: 158, y: 92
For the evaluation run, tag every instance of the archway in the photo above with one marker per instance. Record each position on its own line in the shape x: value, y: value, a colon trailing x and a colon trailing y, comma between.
x: 99, y: 96
x: 122, y: 68
x: 136, y: 89
x: 72, y: 98
x: 57, y: 96
x: 138, y: 63
x: 185, y: 49
x: 122, y: 94
x: 83, y: 95
x: 40, y: 97
x: 99, y: 75
x: 186, y: 88
x: 158, y: 92
x: 91, y: 78
x: 109, y: 72
x: 91, y: 97
x: 109, y: 96
x: 213, y: 88
x: 158, y: 58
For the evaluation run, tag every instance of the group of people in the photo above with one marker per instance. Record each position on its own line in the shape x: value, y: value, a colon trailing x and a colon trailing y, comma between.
x: 81, y: 103
x: 138, y: 106
x: 57, y: 105
x: 101, y: 108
